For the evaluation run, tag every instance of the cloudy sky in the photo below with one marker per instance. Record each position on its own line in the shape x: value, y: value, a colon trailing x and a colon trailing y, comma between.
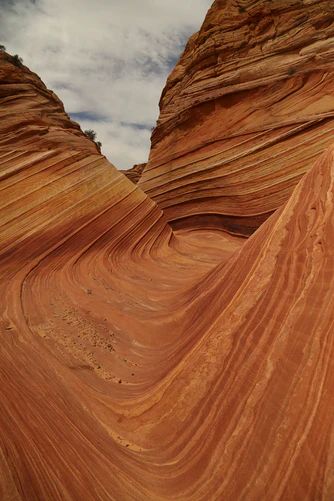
x: 107, y: 60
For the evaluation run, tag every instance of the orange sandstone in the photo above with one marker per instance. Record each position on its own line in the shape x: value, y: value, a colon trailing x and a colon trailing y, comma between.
x: 142, y: 362
x: 135, y: 172
x: 244, y: 114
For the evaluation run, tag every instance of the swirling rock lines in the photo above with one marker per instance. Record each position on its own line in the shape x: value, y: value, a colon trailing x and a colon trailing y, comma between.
x: 244, y: 114
x: 143, y: 362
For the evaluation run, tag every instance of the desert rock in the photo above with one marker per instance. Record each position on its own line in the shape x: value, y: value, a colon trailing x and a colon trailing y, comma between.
x: 147, y: 353
x: 244, y: 114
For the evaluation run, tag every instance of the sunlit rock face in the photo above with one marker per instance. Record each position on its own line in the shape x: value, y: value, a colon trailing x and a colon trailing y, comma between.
x: 244, y: 114
x: 141, y: 360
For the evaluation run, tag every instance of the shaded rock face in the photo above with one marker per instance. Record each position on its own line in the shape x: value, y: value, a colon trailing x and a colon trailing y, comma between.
x: 135, y: 172
x: 245, y: 112
x: 142, y: 362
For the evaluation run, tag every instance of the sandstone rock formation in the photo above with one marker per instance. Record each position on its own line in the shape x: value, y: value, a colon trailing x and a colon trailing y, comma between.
x: 33, y: 116
x: 244, y: 114
x: 142, y: 362
x: 135, y: 172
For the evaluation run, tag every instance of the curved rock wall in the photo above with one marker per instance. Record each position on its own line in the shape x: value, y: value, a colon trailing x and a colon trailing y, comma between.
x: 244, y: 114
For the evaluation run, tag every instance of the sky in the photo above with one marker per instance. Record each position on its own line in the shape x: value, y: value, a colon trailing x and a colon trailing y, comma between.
x: 107, y: 60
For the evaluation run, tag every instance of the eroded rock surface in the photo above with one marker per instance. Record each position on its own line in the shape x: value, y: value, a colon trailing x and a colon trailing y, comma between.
x: 244, y: 114
x: 141, y: 362
x: 135, y: 172
x: 33, y: 116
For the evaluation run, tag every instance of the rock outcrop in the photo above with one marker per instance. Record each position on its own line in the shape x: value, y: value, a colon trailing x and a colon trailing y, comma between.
x: 135, y: 172
x: 143, y: 362
x: 244, y: 114
x: 33, y: 116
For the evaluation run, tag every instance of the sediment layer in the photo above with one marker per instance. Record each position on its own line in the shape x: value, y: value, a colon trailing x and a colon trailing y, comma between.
x: 244, y: 114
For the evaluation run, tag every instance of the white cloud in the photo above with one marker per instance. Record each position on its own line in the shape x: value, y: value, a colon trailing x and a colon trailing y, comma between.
x: 106, y: 58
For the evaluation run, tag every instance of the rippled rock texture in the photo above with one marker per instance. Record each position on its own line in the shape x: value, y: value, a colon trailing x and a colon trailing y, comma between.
x: 244, y: 114
x: 144, y: 362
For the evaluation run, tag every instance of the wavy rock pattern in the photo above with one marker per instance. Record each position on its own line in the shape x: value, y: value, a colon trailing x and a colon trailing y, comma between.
x: 244, y: 114
x: 139, y: 362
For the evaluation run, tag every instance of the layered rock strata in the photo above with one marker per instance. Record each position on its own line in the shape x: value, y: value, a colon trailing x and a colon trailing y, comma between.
x: 135, y: 172
x: 33, y: 116
x: 244, y: 114
x: 139, y: 362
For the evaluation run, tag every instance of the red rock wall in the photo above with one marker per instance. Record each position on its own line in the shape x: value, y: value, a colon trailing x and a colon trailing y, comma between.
x: 244, y: 114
